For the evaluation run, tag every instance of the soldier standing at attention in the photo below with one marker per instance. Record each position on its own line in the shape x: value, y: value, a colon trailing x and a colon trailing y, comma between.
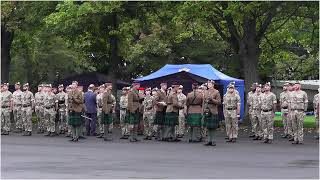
x: 182, y: 112
x: 27, y: 109
x: 148, y: 114
x: 75, y: 102
x: 6, y: 108
x: 249, y: 100
x: 39, y: 97
x: 17, y: 107
x: 123, y: 110
x: 107, y: 109
x: 299, y: 105
x: 160, y: 106
x: 50, y: 106
x: 290, y: 113
x: 212, y: 100
x: 284, y: 104
x: 99, y: 112
x: 172, y: 114
x: 268, y: 108
x: 62, y: 111
x: 132, y: 116
x: 256, y: 112
x: 68, y: 90
x: 231, y: 109
x: 194, y: 112
x: 316, y: 107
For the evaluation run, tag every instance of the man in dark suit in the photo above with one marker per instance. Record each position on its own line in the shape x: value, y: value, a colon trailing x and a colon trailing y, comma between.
x: 91, y: 110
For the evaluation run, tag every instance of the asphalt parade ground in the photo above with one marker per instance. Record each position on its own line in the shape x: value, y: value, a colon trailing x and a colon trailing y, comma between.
x: 55, y: 157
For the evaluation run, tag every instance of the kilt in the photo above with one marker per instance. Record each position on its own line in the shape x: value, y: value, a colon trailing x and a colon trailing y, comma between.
x: 132, y: 118
x: 75, y: 119
x: 171, y: 119
x: 159, y: 118
x: 106, y: 118
x: 194, y: 120
x: 211, y: 121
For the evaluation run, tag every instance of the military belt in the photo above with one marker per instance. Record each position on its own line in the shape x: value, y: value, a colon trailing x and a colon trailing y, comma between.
x: 123, y: 108
x: 231, y: 108
x: 285, y: 107
x: 298, y: 109
x: 266, y: 110
x: 49, y: 107
x: 26, y: 105
x: 5, y: 106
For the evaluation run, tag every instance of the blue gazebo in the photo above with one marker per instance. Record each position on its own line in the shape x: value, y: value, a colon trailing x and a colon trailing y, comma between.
x: 186, y: 74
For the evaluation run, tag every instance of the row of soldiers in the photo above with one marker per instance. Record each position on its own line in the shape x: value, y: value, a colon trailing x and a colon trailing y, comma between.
x: 293, y: 104
x: 165, y: 111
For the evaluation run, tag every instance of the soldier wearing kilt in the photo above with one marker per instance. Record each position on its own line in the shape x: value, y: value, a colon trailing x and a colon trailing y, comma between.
x: 75, y: 102
x: 160, y: 106
x: 172, y: 114
x: 132, y: 117
x: 212, y: 100
x: 107, y: 109
x: 194, y: 112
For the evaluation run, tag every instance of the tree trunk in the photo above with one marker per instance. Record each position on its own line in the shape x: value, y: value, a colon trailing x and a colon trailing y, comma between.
x: 6, y: 41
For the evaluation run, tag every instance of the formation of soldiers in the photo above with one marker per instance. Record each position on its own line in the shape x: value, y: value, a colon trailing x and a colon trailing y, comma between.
x: 167, y: 114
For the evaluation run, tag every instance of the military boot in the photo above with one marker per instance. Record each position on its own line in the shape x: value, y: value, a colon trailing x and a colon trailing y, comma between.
x: 48, y: 134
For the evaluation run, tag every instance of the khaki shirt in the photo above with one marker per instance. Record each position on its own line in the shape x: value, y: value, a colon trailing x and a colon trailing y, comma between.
x: 27, y: 98
x: 39, y: 98
x: 133, y: 101
x: 316, y: 104
x: 231, y: 100
x: 249, y: 101
x: 17, y: 98
x: 255, y: 101
x: 284, y: 101
x: 99, y: 100
x: 5, y: 99
x: 148, y: 103
x: 268, y: 101
x: 161, y: 97
x: 107, y: 102
x: 50, y: 100
x: 299, y: 100
x: 212, y: 99
x: 75, y: 101
x: 194, y: 102
x: 62, y: 100
x: 124, y: 101
x: 173, y: 104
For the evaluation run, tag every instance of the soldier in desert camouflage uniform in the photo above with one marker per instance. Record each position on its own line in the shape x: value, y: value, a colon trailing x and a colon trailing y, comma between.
x: 123, y: 109
x: 27, y: 109
x: 284, y: 104
x: 299, y: 105
x: 17, y: 107
x: 6, y: 108
x: 62, y: 111
x: 316, y: 107
x: 39, y: 97
x: 148, y: 114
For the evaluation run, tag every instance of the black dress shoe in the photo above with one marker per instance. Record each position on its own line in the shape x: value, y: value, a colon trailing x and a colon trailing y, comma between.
x: 190, y: 141
x: 124, y: 137
x: 266, y: 141
x: 230, y: 140
x: 176, y: 140
x: 292, y: 139
x: 226, y: 137
x: 208, y: 144
x: 76, y: 140
x: 295, y: 142
x: 146, y: 138
x: 285, y: 136
x: 107, y: 139
x: 100, y: 136
x: 234, y: 140
x: 71, y: 139
x: 252, y: 136
x: 213, y: 144
x: 256, y: 138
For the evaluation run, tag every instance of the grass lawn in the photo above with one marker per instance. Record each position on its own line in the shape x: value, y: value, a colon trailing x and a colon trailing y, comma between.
x: 309, y: 122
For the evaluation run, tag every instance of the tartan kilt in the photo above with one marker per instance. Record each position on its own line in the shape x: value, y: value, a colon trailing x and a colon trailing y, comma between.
x: 75, y: 119
x: 194, y: 120
x: 132, y: 118
x: 159, y: 118
x: 171, y: 119
x: 106, y: 118
x: 211, y: 121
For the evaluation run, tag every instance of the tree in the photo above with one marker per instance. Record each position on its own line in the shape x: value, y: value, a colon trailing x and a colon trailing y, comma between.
x: 243, y: 25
